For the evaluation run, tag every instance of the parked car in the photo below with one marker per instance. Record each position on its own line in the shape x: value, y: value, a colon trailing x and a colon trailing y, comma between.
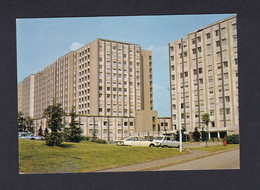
x: 29, y: 136
x: 165, y: 141
x: 133, y: 141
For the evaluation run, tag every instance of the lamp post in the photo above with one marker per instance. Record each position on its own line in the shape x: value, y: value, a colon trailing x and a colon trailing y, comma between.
x: 180, y: 133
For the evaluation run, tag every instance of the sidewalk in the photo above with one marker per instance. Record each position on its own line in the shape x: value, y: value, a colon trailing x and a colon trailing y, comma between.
x: 152, y: 165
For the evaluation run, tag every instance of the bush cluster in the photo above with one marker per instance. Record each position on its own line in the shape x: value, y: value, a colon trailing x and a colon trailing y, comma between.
x: 232, y: 139
x: 95, y: 140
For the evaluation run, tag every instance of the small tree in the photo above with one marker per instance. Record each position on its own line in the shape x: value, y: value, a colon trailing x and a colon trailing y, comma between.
x: 206, y: 120
x: 40, y: 131
x: 196, y: 135
x: 203, y: 136
x: 74, y: 132
x: 21, y: 125
x: 29, y: 124
x: 54, y: 114
x: 46, y: 132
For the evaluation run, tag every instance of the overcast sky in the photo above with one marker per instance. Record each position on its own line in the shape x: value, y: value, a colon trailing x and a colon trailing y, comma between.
x: 41, y: 41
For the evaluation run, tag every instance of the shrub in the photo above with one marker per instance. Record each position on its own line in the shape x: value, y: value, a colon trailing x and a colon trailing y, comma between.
x: 196, y: 135
x: 53, y: 139
x: 97, y: 140
x: 232, y: 139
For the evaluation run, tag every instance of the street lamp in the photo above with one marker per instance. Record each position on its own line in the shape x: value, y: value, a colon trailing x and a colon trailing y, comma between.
x: 180, y: 133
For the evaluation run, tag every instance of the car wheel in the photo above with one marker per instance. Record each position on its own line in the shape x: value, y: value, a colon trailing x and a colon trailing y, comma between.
x: 151, y: 145
x: 164, y: 146
x: 32, y: 138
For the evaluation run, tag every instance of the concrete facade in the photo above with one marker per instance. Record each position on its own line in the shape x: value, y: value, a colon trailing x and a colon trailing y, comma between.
x: 109, y: 83
x: 26, y: 96
x: 204, y: 78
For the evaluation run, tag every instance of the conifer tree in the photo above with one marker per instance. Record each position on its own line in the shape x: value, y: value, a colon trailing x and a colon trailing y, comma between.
x: 54, y: 114
x: 74, y: 132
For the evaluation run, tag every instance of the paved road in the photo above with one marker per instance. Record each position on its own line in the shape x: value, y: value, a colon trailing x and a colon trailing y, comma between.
x: 226, y: 160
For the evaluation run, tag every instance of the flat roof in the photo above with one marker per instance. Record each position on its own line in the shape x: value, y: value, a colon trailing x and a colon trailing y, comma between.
x: 214, y: 24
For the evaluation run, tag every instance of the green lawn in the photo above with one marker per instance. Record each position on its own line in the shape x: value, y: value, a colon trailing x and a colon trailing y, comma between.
x: 216, y: 148
x: 37, y: 157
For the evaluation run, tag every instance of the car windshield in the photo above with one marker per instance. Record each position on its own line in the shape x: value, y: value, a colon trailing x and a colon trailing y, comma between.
x: 158, y: 138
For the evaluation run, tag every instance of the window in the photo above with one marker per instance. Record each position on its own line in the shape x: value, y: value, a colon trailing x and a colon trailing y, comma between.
x: 172, y: 48
x: 228, y: 111
x: 200, y: 70
x: 208, y: 47
x: 194, y: 51
x: 199, y: 39
x: 173, y: 77
x: 179, y: 45
x: 217, y: 43
x: 224, y: 42
x: 201, y: 81
x: 185, y: 54
x: 186, y: 74
x: 199, y: 49
x: 225, y: 63
x: 234, y: 26
x: 227, y: 98
x: 193, y: 41
x: 226, y: 75
x: 217, y: 32
x: 208, y: 35
x: 236, y: 61
x: 194, y: 71
x: 181, y: 75
x: 172, y: 58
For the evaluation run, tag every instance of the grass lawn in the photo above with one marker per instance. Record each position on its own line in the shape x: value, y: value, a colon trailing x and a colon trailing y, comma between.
x: 216, y: 148
x: 37, y: 157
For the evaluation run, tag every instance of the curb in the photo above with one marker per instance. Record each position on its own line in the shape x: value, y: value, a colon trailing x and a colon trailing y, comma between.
x: 183, y: 161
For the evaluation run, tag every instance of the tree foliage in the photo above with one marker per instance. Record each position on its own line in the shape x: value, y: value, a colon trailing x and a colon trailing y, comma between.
x: 203, y: 136
x: 232, y: 139
x: 205, y: 118
x: 29, y: 124
x: 73, y: 133
x: 21, y: 125
x: 196, y: 135
x: 54, y: 114
x: 40, y: 131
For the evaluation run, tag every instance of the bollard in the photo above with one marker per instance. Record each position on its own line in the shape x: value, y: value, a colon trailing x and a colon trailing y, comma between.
x: 225, y: 143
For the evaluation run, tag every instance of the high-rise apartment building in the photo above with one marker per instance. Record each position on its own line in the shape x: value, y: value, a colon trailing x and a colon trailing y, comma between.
x: 109, y: 83
x: 26, y: 96
x: 204, y: 79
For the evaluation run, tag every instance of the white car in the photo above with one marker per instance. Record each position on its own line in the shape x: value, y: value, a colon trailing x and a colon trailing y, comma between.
x: 133, y: 141
x: 165, y: 141
x: 29, y: 136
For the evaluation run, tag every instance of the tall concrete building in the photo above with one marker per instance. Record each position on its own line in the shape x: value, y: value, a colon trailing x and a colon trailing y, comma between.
x: 108, y: 82
x: 26, y: 96
x: 204, y: 79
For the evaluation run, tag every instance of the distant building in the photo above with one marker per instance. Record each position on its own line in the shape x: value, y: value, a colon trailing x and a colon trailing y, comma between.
x: 108, y: 82
x: 204, y: 79
x: 26, y: 96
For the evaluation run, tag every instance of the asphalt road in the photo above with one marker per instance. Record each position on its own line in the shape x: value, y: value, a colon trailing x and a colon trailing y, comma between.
x: 226, y: 160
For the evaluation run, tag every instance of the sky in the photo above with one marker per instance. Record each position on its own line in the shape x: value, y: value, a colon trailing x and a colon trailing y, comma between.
x: 41, y: 41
